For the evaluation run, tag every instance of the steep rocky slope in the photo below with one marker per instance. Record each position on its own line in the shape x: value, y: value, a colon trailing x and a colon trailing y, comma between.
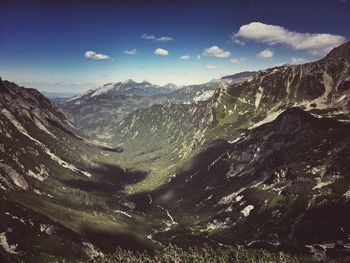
x: 97, y: 107
x: 321, y: 87
x: 30, y: 127
x: 55, y: 186
x: 202, y: 92
x: 25, y: 131
x: 284, y: 185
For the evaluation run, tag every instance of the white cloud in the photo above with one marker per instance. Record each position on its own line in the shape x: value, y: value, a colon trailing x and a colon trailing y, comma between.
x: 237, y: 41
x: 215, y: 51
x: 148, y: 37
x: 272, y: 35
x: 298, y: 60
x: 267, y: 53
x: 158, y: 39
x: 131, y: 52
x: 95, y: 56
x: 185, y: 57
x: 164, y: 39
x: 198, y: 56
x: 161, y: 52
x: 238, y: 60
x: 210, y: 66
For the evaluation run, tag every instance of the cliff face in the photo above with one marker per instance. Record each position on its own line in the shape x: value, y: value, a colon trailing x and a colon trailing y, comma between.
x: 25, y: 118
x: 320, y: 87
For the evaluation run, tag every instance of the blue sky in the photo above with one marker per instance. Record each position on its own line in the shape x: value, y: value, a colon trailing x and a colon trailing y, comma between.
x: 71, y: 47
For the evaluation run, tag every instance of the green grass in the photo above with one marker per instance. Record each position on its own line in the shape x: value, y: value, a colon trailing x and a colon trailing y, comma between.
x: 205, y: 254
x: 90, y: 224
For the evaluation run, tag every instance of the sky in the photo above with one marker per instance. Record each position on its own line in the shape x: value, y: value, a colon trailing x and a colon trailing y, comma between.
x: 73, y: 46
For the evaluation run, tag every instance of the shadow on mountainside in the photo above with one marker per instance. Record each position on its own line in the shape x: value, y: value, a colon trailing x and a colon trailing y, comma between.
x: 109, y: 179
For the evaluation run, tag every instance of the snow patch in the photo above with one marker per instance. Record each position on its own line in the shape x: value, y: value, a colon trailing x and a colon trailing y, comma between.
x: 271, y: 116
x: 319, y: 185
x: 46, y: 228
x: 247, y: 209
x: 229, y: 198
x: 11, y: 249
x: 235, y: 140
x: 135, y: 134
x: 258, y: 97
x: 103, y: 89
x: 205, y: 95
x: 217, y: 224
x: 123, y: 213
x: 238, y: 198
x: 172, y: 221
x: 328, y: 82
x: 347, y: 194
x: 341, y: 98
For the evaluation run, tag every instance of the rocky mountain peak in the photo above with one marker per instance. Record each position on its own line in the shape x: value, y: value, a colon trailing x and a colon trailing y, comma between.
x: 27, y: 102
x: 341, y: 52
x: 128, y: 81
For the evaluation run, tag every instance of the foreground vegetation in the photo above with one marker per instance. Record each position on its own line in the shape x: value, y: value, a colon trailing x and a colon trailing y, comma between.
x: 206, y: 254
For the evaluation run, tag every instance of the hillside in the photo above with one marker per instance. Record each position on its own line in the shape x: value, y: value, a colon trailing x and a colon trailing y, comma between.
x: 109, y: 104
x: 56, y: 187
x: 262, y: 164
x: 315, y: 87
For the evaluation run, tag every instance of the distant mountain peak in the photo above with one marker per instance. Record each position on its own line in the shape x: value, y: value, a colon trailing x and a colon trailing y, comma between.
x: 170, y: 85
x: 128, y: 81
x: 128, y: 87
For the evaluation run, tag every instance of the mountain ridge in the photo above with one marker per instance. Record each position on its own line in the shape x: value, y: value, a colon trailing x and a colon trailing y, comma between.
x: 233, y: 110
x: 92, y: 113
x: 264, y: 164
x: 128, y: 87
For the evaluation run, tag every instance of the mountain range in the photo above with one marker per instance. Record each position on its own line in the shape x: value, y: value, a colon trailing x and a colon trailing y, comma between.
x: 110, y: 103
x: 259, y: 159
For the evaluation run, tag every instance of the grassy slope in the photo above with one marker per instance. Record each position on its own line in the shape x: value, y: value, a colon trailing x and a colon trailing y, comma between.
x: 204, y: 254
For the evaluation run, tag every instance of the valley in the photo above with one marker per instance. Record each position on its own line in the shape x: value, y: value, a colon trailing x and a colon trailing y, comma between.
x: 257, y: 159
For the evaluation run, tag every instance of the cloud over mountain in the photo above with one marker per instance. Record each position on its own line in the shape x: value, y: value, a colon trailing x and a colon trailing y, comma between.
x: 273, y: 35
